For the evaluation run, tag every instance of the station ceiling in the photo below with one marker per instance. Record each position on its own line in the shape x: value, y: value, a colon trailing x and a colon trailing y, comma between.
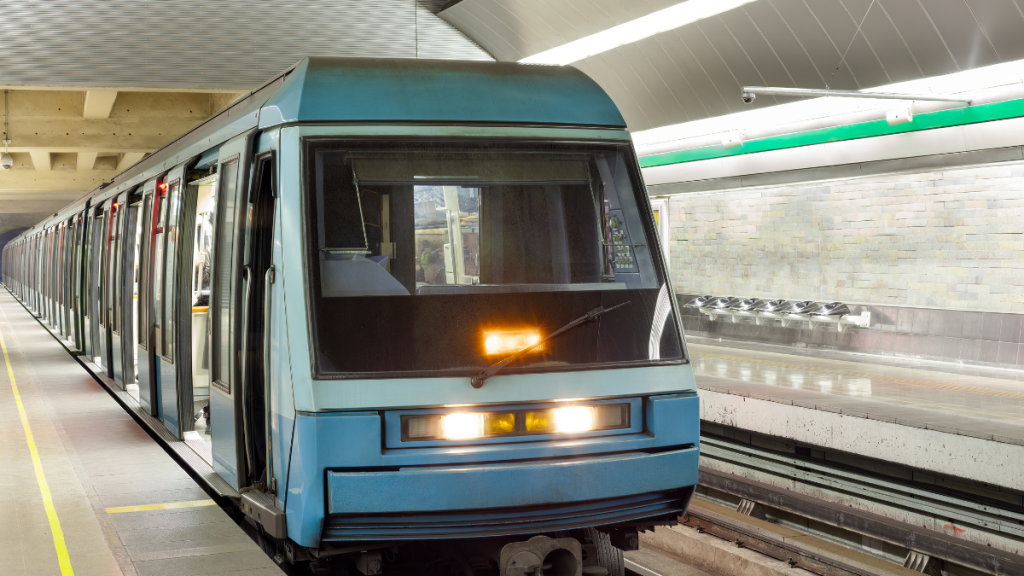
x: 695, y: 71
x: 93, y: 85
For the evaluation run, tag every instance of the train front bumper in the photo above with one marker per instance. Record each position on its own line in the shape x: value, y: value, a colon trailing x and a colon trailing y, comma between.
x: 483, y: 500
x: 344, y: 484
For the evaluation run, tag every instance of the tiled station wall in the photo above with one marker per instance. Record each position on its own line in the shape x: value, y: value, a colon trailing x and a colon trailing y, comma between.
x: 938, y: 257
x: 986, y: 338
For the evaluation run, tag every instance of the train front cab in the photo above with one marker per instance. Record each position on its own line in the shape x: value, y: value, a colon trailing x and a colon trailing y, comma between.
x: 409, y: 259
x: 363, y: 277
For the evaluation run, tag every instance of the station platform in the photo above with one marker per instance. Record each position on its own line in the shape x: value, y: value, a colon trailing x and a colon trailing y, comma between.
x: 950, y: 419
x: 84, y: 489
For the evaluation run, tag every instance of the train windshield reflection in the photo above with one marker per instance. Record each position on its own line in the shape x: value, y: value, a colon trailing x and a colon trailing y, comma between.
x: 481, y: 240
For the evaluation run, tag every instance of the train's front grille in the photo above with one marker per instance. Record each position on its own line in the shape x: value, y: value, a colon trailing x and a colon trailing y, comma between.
x: 658, y: 507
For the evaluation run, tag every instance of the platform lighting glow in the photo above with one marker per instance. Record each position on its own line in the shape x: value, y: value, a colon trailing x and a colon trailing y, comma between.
x: 463, y: 426
x: 964, y: 83
x: 635, y: 30
x: 574, y: 419
x: 509, y: 342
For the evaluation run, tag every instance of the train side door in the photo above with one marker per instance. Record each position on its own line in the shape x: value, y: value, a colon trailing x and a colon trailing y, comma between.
x: 77, y: 274
x: 117, y: 244
x: 104, y: 248
x: 147, y: 247
x: 92, y: 294
x: 257, y: 322
x: 225, y: 299
x: 166, y: 300
x: 129, y: 287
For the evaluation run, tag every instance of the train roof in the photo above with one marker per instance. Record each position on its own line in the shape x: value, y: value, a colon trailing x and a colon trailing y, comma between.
x: 392, y: 91
x: 379, y: 90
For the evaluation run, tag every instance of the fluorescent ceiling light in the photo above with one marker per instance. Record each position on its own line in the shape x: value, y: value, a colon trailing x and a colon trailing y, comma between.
x: 658, y: 140
x: 644, y: 27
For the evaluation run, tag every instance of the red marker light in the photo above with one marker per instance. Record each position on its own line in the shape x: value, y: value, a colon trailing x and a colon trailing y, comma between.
x: 162, y: 186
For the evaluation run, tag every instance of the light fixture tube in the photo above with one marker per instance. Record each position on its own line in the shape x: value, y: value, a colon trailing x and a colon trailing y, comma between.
x: 635, y: 30
x: 813, y: 92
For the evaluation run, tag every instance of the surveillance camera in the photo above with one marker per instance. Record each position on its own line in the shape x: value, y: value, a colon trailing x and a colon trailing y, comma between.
x: 748, y: 97
x: 6, y: 161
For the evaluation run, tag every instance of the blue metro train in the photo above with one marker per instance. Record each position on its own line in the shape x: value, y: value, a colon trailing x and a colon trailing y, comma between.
x: 408, y: 312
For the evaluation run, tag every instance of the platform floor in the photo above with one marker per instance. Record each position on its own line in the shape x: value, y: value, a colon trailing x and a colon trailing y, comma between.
x: 77, y: 465
x: 974, y: 401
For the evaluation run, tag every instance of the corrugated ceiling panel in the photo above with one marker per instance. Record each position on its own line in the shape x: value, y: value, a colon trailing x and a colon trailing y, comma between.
x: 696, y: 71
x: 195, y: 44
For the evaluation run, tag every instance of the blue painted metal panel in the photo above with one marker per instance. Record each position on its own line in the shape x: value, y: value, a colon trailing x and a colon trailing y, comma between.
x: 321, y: 442
x: 295, y: 300
x: 379, y: 90
x: 353, y: 440
x: 675, y: 418
x: 167, y: 392
x: 388, y: 393
x: 116, y: 362
x: 505, y: 485
x: 222, y: 418
x: 144, y: 382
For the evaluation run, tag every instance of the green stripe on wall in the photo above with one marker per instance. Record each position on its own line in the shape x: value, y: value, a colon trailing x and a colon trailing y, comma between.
x: 926, y: 121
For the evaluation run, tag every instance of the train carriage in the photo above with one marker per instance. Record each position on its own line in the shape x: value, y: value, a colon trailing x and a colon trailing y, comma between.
x: 400, y: 308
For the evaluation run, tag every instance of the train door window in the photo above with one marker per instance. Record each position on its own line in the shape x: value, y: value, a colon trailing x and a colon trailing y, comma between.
x: 96, y: 282
x: 146, y: 252
x: 113, y: 285
x: 135, y: 282
x: 58, y: 268
x: 158, y: 273
x: 206, y: 198
x: 172, y: 208
x: 223, y: 279
x: 86, y: 267
x: 104, y: 270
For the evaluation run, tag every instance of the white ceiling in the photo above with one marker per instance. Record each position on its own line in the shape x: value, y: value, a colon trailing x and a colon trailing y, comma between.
x: 204, y: 45
x: 696, y: 71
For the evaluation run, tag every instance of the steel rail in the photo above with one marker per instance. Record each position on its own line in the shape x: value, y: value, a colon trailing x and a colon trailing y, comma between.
x: 917, y: 499
x: 891, y: 494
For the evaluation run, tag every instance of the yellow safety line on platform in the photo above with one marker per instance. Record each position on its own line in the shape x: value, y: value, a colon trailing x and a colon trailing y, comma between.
x: 51, y: 513
x: 164, y: 506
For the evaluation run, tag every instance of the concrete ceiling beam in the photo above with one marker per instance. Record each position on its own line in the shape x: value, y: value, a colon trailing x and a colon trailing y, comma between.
x: 86, y: 161
x: 79, y: 134
x: 23, y: 179
x: 128, y: 159
x: 69, y: 140
x: 98, y: 104
x: 41, y: 160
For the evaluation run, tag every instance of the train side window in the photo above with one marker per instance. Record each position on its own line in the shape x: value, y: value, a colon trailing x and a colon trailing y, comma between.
x: 173, y: 198
x: 143, y: 266
x: 158, y: 274
x: 115, y: 266
x: 87, y: 235
x: 224, y: 280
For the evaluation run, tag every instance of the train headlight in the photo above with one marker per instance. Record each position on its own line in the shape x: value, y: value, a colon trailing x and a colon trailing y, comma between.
x: 461, y: 426
x: 578, y: 419
x: 473, y: 425
x: 509, y: 342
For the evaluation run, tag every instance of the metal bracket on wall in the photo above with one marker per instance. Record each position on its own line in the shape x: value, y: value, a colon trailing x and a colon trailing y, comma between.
x: 862, y: 320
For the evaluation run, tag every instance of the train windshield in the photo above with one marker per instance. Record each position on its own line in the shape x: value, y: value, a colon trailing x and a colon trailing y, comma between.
x: 434, y: 259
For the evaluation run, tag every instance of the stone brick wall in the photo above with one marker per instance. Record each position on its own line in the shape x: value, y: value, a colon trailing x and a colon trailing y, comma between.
x: 949, y: 239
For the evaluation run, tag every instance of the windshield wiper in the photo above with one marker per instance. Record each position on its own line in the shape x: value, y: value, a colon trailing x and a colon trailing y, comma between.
x: 493, y: 369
